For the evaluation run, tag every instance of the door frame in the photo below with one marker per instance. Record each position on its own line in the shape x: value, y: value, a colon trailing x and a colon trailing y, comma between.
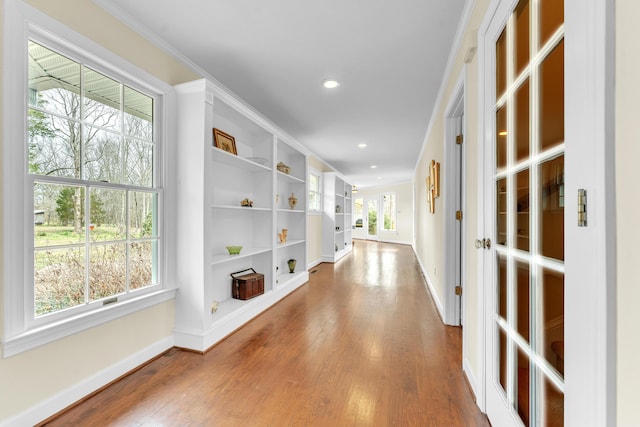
x: 590, y: 296
x: 453, y: 310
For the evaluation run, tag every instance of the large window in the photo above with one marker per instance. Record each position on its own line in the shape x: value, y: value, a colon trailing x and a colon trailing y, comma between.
x: 315, y: 192
x: 90, y: 166
x: 389, y: 211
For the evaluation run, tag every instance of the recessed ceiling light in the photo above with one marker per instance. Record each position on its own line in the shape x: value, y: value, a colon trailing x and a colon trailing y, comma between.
x: 363, y: 145
x: 330, y: 84
x: 373, y: 166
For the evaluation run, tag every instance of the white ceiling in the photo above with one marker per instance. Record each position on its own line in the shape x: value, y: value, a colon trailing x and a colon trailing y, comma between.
x: 389, y: 57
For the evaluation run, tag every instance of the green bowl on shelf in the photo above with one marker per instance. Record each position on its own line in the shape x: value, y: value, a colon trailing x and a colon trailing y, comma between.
x: 234, y: 250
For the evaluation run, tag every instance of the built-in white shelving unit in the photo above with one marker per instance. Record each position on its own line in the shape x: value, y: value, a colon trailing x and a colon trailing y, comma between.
x: 336, y: 221
x: 212, y: 184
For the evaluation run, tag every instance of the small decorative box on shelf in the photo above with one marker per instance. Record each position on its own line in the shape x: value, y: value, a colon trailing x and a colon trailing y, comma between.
x: 247, y: 286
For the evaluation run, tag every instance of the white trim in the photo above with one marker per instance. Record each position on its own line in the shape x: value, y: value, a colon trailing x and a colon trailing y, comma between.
x: 468, y: 371
x: 428, y: 284
x: 590, y: 328
x: 75, y: 393
x: 453, y: 53
x: 314, y: 263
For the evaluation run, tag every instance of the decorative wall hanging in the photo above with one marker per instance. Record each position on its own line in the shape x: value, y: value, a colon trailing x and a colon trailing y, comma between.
x: 433, y: 185
x: 224, y: 141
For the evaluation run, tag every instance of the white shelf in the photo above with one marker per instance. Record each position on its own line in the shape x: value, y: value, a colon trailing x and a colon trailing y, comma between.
x: 291, y: 210
x: 232, y: 305
x: 244, y: 253
x: 290, y: 178
x: 236, y: 161
x: 341, y: 231
x: 283, y: 278
x: 240, y: 208
x: 290, y: 243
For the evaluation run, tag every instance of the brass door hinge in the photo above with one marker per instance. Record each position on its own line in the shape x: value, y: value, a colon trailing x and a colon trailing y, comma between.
x: 459, y: 139
x: 458, y: 290
x: 459, y: 215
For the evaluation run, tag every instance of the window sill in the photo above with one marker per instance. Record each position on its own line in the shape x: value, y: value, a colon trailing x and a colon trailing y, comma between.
x: 43, y: 335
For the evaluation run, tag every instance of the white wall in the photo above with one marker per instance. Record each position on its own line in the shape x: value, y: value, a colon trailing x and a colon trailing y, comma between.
x: 404, y: 213
x: 627, y: 146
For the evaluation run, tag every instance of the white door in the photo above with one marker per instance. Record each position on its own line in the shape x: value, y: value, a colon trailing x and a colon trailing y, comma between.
x: 548, y: 277
x: 524, y: 214
x: 371, y: 214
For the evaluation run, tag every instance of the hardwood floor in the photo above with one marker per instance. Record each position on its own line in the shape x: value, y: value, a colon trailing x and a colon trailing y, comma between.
x: 360, y: 345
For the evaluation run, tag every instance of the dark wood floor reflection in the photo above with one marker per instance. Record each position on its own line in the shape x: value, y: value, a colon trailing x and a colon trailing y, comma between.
x: 360, y: 345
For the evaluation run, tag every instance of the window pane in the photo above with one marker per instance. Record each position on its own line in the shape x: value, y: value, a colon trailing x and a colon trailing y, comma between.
x: 551, y: 17
x: 502, y: 286
x: 521, y: 35
x: 107, y: 271
x: 102, y: 158
x: 107, y: 215
x: 314, y: 204
x: 522, y: 124
x: 552, y: 99
x: 389, y: 210
x: 54, y: 145
x: 142, y: 262
x: 59, y: 279
x: 54, y: 82
x: 522, y: 210
x: 552, y: 322
x: 138, y: 114
x: 58, y: 214
x: 358, y: 209
x: 101, y: 101
x: 314, y: 183
x: 501, y: 138
x: 502, y: 358
x: 143, y: 221
x: 523, y: 311
x: 501, y: 64
x: 139, y: 163
x: 501, y: 211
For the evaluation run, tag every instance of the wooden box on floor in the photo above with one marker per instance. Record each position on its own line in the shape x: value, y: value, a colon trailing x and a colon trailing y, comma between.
x: 247, y: 286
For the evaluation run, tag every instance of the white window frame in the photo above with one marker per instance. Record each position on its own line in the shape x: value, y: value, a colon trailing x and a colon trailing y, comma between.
x: 395, y: 212
x: 311, y: 211
x: 21, y: 332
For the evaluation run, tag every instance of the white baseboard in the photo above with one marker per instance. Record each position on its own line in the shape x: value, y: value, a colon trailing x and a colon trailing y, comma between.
x: 471, y: 378
x: 73, y: 394
x: 314, y: 263
x: 429, y: 285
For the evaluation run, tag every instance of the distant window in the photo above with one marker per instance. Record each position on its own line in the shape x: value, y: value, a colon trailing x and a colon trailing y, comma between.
x: 315, y: 193
x: 389, y: 211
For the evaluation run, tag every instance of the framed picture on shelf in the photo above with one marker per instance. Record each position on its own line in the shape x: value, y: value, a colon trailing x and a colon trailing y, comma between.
x: 224, y: 141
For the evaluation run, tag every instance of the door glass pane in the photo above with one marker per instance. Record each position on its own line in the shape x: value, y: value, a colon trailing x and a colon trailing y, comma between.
x: 523, y: 300
x: 502, y: 358
x: 501, y: 64
x: 551, y: 213
x: 551, y: 17
x: 552, y: 99
x: 552, y: 405
x: 521, y: 128
x: 521, y: 29
x: 501, y: 141
x: 522, y: 210
x: 501, y: 211
x: 522, y: 376
x: 372, y: 217
x: 552, y: 323
x: 502, y: 287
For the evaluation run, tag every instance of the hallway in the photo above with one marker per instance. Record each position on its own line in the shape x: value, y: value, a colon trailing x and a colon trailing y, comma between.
x: 360, y: 344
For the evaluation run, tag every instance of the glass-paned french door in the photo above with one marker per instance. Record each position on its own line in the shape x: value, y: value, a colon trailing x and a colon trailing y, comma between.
x: 527, y: 321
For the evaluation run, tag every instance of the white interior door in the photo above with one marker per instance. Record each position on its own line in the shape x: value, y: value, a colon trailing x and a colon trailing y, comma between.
x: 371, y: 214
x: 524, y: 213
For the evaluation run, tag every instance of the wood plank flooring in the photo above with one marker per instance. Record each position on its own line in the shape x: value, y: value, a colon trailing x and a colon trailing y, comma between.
x: 360, y: 345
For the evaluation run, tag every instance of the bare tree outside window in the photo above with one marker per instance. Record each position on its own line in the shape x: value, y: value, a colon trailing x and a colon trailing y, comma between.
x: 91, y: 152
